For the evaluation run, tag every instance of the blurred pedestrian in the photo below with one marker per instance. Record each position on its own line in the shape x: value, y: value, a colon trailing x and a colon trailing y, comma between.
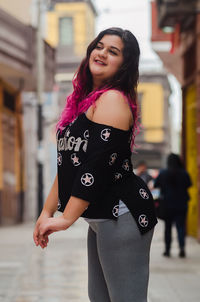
x: 143, y: 172
x: 174, y: 182
x: 95, y: 179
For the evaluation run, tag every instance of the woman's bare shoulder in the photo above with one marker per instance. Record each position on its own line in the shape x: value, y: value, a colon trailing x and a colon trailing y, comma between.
x: 112, y: 109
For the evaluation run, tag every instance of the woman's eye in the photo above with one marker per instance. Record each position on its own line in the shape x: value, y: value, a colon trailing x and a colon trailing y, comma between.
x: 113, y: 52
x: 98, y: 47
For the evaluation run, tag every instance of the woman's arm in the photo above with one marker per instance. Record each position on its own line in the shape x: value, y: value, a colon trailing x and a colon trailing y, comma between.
x: 49, y: 209
x: 74, y: 209
x: 51, y: 202
x: 47, y: 224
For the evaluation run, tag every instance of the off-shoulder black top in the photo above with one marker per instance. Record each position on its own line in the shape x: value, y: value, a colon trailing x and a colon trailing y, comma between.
x: 94, y: 164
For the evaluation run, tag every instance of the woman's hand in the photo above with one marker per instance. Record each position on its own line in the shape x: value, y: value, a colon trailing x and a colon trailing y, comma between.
x: 43, y: 216
x: 48, y: 226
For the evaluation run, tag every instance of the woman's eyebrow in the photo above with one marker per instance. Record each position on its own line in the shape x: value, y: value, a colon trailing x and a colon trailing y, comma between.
x: 116, y: 48
x: 100, y: 43
x: 110, y: 46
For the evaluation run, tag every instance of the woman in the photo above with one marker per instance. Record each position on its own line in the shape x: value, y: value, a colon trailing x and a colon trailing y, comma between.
x: 95, y: 178
x: 174, y: 183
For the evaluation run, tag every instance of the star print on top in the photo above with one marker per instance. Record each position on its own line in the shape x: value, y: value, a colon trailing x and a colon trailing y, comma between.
x: 87, y: 179
x: 94, y: 151
x: 144, y: 193
x: 75, y: 159
x: 112, y: 159
x: 86, y: 134
x: 115, y: 211
x: 105, y: 134
x: 96, y: 167
x: 118, y: 176
x: 143, y: 221
x: 126, y: 165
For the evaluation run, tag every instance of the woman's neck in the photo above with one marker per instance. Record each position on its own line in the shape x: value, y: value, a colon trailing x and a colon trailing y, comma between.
x: 97, y: 84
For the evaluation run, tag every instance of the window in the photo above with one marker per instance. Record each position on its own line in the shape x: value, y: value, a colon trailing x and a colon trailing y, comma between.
x: 66, y: 31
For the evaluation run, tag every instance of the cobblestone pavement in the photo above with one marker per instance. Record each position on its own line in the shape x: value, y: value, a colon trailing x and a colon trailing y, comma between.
x: 59, y: 273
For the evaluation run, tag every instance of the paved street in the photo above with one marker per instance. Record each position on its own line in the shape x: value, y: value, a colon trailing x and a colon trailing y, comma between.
x: 174, y: 279
x: 55, y: 274
x: 59, y: 273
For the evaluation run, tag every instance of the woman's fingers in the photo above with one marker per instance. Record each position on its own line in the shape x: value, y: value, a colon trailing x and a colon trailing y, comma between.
x: 41, y: 232
x: 39, y: 238
x: 36, y: 235
x: 44, y: 231
x: 43, y: 241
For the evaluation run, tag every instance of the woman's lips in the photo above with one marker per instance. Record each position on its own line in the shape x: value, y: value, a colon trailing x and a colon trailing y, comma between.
x: 99, y: 62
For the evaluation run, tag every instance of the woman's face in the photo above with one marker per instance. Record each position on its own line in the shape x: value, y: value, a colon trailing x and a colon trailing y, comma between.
x: 106, y: 59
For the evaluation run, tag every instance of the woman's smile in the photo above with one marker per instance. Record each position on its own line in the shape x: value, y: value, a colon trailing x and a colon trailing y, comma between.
x: 99, y: 62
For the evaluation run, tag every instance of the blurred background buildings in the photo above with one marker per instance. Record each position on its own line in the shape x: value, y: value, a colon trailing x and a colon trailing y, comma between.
x: 176, y: 39
x: 26, y: 104
x: 154, y: 139
x: 18, y: 76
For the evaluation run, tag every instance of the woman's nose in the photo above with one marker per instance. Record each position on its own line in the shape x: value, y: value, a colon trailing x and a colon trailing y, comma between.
x: 102, y: 53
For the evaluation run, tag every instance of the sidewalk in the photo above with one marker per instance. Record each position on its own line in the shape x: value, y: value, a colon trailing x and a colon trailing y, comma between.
x: 55, y: 274
x: 174, y: 279
x: 59, y: 273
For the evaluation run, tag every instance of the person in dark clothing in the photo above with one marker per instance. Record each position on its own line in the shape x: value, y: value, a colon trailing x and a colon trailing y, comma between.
x: 174, y: 183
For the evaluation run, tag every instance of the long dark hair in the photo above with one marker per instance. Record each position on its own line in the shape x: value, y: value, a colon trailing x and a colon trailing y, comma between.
x: 125, y: 80
x: 174, y: 165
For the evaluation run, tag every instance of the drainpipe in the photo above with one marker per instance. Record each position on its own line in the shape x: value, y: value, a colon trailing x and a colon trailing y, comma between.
x: 40, y: 89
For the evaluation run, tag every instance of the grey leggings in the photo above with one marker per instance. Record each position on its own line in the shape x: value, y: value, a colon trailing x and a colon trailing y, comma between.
x: 118, y: 261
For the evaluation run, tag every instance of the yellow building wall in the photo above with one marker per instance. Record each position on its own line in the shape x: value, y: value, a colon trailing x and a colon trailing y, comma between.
x: 191, y: 159
x: 152, y: 111
x: 83, y: 18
